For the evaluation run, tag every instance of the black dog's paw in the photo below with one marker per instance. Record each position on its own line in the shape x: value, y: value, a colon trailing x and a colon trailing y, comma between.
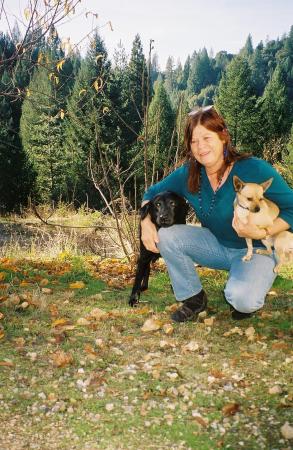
x: 133, y: 300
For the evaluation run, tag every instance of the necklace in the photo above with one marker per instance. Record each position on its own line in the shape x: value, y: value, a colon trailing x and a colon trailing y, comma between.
x: 203, y: 214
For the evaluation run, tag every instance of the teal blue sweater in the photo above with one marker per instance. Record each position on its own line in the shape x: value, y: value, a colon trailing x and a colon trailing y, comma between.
x: 219, y: 222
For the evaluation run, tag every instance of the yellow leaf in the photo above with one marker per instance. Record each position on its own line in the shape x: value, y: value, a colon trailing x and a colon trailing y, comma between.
x: 40, y: 57
x: 28, y: 93
x: 209, y: 322
x: 62, y: 114
x: 27, y: 13
x: 56, y: 79
x: 2, y: 276
x: 106, y: 110
x: 51, y: 75
x: 44, y: 282
x: 98, y: 84
x: 60, y: 322
x: 60, y: 65
x: 77, y: 285
x: 82, y: 91
x: 168, y: 328
x: 151, y: 325
x: 2, y: 334
x: 99, y: 57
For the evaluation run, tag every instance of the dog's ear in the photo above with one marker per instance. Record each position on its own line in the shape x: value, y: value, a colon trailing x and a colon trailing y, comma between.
x: 145, y: 210
x: 238, y: 184
x: 266, y: 184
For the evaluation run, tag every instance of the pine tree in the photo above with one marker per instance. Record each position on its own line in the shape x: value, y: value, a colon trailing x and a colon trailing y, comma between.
x: 42, y: 137
x: 161, y: 124
x: 170, y: 76
x: 236, y: 102
x: 137, y: 87
x: 14, y: 170
x: 186, y: 70
x: 88, y: 121
x: 275, y: 106
x: 258, y: 70
x: 247, y: 50
x: 201, y: 73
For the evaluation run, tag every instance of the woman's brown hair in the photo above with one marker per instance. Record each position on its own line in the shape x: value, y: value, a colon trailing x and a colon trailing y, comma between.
x: 210, y: 119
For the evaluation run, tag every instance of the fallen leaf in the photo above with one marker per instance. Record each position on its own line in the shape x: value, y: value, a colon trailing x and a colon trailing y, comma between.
x: 217, y: 373
x: 82, y: 322
x: 168, y: 328
x: 279, y: 345
x: 202, y: 422
x: 60, y: 323
x: 287, y: 431
x: 61, y: 359
x: 54, y: 311
x: 98, y: 314
x: 1, y: 315
x: 172, y: 308
x: 47, y: 291
x: 2, y: 276
x: 230, y: 409
x: 6, y: 363
x: 151, y: 325
x: 77, y: 285
x: 209, y: 322
x: 275, y: 390
x: 44, y: 282
x: 192, y: 346
x: 235, y: 330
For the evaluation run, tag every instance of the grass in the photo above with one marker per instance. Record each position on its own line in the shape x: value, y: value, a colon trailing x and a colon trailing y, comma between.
x: 122, y: 388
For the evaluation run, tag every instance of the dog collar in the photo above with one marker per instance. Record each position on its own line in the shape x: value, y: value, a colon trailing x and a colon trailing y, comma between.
x: 241, y: 206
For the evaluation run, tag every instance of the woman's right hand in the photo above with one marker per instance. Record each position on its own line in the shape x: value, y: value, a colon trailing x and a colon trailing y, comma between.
x: 149, y: 235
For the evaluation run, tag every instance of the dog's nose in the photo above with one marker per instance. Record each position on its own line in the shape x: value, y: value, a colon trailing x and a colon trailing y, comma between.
x: 257, y: 209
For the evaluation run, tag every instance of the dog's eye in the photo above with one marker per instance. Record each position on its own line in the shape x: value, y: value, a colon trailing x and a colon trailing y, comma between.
x: 249, y: 199
x: 158, y: 204
x: 172, y: 203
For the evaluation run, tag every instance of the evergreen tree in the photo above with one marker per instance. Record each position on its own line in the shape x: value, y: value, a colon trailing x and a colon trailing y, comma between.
x: 247, y: 50
x: 137, y: 87
x: 258, y: 70
x: 170, y: 76
x: 285, y: 58
x: 201, y: 73
x: 236, y: 102
x: 186, y: 70
x: 275, y: 106
x: 161, y: 124
x: 88, y: 122
x: 41, y: 135
x: 14, y: 170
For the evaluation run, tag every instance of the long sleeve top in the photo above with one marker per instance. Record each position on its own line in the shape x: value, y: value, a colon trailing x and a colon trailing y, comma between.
x: 218, y: 218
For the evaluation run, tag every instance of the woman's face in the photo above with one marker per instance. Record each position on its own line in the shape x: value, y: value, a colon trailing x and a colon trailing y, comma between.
x: 207, y: 147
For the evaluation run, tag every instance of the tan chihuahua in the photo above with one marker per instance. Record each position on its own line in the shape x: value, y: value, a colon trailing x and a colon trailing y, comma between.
x: 251, y: 207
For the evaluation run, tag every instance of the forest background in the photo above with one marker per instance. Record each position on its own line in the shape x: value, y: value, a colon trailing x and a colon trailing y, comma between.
x: 85, y: 130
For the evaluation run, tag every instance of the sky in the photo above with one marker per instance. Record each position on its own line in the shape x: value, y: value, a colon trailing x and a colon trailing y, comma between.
x: 177, y: 27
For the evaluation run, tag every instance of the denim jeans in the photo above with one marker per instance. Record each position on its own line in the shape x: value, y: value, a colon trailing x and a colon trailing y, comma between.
x: 183, y: 245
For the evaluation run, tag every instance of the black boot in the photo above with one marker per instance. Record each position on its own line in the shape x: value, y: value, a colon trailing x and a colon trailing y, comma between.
x: 191, y: 307
x: 237, y: 315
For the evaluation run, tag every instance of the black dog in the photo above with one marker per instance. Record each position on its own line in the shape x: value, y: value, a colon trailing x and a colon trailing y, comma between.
x: 165, y: 209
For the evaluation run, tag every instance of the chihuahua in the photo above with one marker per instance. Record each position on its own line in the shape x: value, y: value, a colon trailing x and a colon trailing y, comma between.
x: 251, y: 207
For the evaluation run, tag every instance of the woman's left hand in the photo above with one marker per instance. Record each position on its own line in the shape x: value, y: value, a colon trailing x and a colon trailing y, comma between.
x: 248, y: 230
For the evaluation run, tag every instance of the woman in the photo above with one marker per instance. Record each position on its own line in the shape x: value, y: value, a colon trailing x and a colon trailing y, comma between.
x: 206, y: 181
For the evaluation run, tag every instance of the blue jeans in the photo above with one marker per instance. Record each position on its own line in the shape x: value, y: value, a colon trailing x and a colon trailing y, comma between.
x: 183, y: 245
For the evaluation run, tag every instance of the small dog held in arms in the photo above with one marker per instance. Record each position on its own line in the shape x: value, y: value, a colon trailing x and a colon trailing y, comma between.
x: 251, y: 207
x: 165, y: 209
